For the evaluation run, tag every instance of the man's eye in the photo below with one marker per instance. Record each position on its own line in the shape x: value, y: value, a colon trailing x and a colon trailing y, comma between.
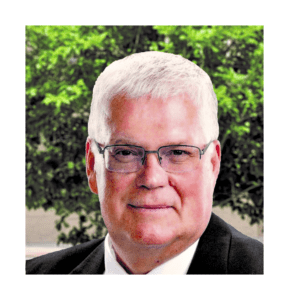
x: 124, y: 153
x: 179, y: 152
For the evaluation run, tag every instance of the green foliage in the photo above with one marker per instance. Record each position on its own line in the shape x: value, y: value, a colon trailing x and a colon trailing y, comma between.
x: 233, y: 58
x: 62, y: 64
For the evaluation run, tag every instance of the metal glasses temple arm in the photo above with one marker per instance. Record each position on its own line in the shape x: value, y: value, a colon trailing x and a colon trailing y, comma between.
x: 205, y: 149
x: 100, y: 150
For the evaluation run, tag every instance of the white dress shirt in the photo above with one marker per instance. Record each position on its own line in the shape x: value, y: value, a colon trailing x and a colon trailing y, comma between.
x: 178, y: 265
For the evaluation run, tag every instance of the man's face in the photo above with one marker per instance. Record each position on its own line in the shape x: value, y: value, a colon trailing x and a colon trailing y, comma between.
x: 152, y: 207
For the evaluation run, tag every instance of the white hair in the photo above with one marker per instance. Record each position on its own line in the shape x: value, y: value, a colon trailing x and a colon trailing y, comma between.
x: 159, y: 75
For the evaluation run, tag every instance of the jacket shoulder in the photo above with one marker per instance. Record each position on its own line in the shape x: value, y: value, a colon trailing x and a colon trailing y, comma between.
x: 62, y: 261
x: 224, y: 250
x: 245, y: 254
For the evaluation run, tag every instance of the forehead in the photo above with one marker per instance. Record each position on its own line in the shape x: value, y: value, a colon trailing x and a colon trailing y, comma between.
x: 144, y: 120
x: 146, y: 108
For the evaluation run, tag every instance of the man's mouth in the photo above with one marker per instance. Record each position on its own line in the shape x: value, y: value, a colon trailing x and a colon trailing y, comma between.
x: 149, y: 207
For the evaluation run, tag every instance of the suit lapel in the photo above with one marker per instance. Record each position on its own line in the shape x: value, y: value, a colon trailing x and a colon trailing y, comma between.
x: 93, y: 264
x: 211, y: 255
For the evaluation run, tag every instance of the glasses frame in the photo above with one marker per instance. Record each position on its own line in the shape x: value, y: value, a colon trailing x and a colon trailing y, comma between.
x: 102, y: 150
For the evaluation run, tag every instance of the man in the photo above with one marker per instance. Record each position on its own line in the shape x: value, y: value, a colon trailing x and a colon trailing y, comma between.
x: 153, y: 158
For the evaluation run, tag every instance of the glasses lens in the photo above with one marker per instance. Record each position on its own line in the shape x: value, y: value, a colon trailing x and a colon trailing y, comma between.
x: 123, y: 158
x: 179, y: 158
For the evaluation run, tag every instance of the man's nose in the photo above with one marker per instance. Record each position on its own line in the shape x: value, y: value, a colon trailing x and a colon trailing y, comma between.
x: 152, y: 175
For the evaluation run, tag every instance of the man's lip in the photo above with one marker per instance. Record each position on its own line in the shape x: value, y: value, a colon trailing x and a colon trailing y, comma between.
x: 150, y: 206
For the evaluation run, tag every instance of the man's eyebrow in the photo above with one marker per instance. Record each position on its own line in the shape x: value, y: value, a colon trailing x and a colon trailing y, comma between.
x: 125, y: 141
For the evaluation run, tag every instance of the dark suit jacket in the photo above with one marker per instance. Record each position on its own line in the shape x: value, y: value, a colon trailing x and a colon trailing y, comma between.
x: 221, y: 250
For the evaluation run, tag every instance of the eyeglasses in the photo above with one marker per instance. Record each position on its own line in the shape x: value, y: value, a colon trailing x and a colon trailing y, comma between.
x: 173, y: 159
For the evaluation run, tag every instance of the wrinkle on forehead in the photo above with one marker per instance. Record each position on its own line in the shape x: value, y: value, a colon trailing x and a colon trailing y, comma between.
x: 123, y: 106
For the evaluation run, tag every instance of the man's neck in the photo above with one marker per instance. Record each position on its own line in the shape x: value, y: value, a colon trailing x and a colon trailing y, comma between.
x: 140, y: 259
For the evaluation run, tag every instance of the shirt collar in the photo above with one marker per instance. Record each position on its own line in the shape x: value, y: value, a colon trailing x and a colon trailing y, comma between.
x: 178, y: 265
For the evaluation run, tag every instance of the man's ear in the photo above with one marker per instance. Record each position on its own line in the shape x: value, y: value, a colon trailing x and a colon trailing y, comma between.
x: 90, y: 172
x: 216, y: 158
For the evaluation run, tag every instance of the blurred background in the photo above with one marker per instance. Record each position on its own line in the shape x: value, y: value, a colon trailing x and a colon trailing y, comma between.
x: 62, y: 64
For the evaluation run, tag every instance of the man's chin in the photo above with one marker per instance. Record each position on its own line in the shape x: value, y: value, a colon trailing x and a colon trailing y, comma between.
x: 152, y: 239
